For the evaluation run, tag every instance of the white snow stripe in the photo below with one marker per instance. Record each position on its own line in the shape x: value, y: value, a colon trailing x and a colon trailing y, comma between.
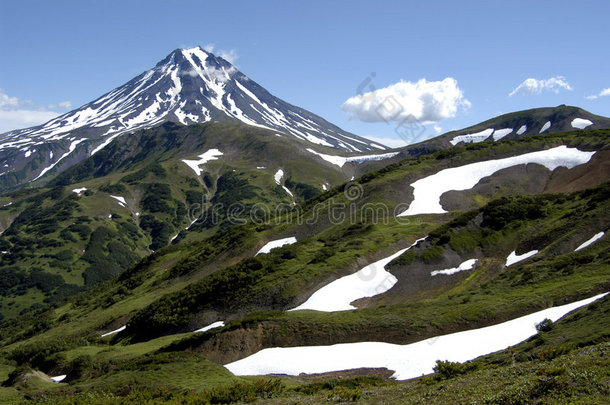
x: 341, y: 160
x: 369, y: 281
x: 467, y: 265
x: 427, y: 191
x: 276, y: 244
x: 594, y: 239
x: 122, y: 328
x: 71, y: 149
x: 407, y: 361
x: 515, y: 258
x: 217, y: 324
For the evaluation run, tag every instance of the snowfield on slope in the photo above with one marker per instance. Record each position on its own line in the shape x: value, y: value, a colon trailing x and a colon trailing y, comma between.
x: 515, y: 258
x: 342, y: 160
x: 122, y: 328
x: 58, y: 378
x: 580, y: 123
x: 369, y: 281
x: 79, y: 190
x: 278, y: 176
x: 205, y: 157
x: 472, y: 138
x: 276, y: 244
x: 427, y: 191
x: 407, y: 361
x: 217, y: 324
x: 595, y: 237
x: 467, y: 265
x: 121, y: 200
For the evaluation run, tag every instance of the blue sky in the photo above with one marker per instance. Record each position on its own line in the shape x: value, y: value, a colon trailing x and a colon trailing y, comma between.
x: 464, y: 58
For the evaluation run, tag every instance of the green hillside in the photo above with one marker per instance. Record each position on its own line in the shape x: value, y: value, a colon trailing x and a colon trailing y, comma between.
x: 57, y: 241
x: 212, y: 274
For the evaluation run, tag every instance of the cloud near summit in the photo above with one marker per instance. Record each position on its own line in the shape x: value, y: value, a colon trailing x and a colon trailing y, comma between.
x: 16, y: 113
x: 533, y: 86
x: 425, y: 101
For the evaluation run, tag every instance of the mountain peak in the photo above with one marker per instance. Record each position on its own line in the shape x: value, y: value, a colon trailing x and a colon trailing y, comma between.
x: 188, y: 86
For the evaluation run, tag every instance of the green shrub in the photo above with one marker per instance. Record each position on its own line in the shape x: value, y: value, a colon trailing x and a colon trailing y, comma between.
x: 117, y: 188
x: 444, y: 370
x: 545, y: 325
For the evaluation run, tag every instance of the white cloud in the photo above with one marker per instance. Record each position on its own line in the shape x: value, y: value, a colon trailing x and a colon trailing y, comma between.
x: 438, y: 129
x: 219, y: 75
x: 603, y: 93
x: 65, y: 104
x: 17, y: 114
x: 230, y: 55
x: 424, y: 101
x: 7, y: 102
x: 533, y: 86
x: 17, y: 119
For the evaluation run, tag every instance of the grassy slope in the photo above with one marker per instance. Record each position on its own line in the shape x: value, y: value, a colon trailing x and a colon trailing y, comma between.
x: 568, y: 364
x: 162, y: 196
x: 498, y: 298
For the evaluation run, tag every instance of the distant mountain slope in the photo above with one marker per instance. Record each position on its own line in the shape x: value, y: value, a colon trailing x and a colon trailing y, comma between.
x: 528, y: 122
x: 188, y: 86
x: 536, y: 121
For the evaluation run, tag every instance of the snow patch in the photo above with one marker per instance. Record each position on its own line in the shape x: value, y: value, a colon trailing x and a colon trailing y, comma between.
x: 341, y: 160
x: 595, y: 237
x: 580, y: 123
x: 515, y: 258
x: 185, y: 229
x: 120, y: 199
x: 218, y: 324
x: 183, y: 116
x: 276, y: 244
x: 522, y: 129
x: 546, y: 126
x: 427, y: 191
x: 407, y: 361
x: 122, y: 328
x: 73, y: 146
x: 205, y: 157
x: 472, y: 138
x: 316, y: 140
x: 369, y: 281
x: 58, y: 378
x: 289, y: 193
x: 79, y: 190
x: 278, y: 176
x: 467, y: 265
x: 501, y: 133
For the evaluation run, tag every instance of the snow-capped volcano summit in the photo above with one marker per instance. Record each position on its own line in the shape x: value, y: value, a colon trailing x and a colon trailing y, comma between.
x: 188, y: 86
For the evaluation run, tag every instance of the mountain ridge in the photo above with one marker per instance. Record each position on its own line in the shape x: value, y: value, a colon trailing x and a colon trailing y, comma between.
x: 187, y: 86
